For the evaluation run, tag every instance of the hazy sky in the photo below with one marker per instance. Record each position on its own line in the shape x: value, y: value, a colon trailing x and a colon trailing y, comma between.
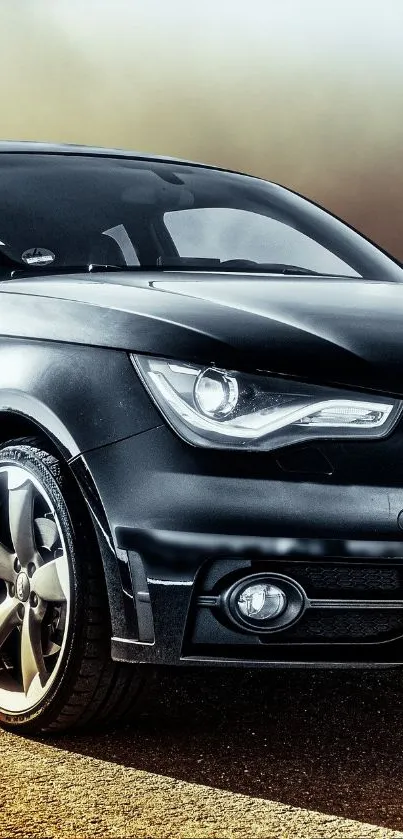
x: 369, y: 28
x: 306, y: 92
x: 313, y: 27
x: 82, y: 69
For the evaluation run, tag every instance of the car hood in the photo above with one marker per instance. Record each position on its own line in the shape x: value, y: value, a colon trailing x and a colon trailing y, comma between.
x: 327, y: 330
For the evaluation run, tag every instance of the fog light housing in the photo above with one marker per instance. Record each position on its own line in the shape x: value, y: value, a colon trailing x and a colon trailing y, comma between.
x: 261, y: 601
x: 264, y: 603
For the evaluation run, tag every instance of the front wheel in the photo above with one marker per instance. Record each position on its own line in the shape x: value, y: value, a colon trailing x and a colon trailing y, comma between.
x: 55, y: 665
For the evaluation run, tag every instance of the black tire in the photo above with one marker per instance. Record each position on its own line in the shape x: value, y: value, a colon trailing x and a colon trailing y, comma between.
x: 89, y: 687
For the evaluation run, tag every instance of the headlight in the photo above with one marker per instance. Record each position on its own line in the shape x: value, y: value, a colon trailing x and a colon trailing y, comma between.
x: 218, y: 408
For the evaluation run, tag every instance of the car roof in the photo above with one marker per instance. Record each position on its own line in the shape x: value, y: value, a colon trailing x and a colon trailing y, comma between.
x: 34, y: 147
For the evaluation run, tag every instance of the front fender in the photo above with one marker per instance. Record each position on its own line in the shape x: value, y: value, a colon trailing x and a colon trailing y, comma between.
x: 82, y: 397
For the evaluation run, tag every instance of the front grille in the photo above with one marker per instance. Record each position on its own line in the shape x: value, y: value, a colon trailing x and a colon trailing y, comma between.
x: 328, y: 579
x: 345, y: 626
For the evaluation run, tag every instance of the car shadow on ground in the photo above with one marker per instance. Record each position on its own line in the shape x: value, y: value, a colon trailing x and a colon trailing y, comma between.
x: 326, y: 741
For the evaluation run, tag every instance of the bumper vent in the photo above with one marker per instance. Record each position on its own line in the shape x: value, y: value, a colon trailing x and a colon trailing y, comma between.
x: 353, y: 611
x: 329, y: 579
x: 346, y: 626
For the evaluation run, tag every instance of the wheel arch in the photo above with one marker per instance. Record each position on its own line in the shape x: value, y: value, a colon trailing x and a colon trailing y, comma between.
x: 17, y: 425
x: 23, y: 415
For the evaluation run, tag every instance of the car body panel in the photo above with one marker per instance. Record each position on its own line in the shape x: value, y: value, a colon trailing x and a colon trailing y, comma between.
x: 329, y: 331
x: 181, y: 508
x: 62, y: 387
x: 37, y: 147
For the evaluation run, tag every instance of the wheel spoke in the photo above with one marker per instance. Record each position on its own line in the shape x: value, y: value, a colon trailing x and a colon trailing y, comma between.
x: 52, y: 649
x: 35, y: 589
x: 47, y: 534
x: 8, y: 618
x: 21, y: 502
x: 32, y: 661
x: 6, y: 565
x: 50, y: 581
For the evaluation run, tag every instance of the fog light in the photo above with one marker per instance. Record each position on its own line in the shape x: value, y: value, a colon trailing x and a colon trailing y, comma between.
x: 261, y: 601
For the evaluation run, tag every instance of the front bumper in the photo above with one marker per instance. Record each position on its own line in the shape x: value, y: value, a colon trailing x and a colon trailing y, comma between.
x: 187, y: 523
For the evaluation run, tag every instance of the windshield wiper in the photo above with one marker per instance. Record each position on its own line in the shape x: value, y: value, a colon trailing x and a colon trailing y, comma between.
x: 18, y: 271
x: 270, y: 268
x: 215, y: 266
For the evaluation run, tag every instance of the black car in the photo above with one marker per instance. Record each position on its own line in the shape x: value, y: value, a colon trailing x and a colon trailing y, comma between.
x: 201, y: 448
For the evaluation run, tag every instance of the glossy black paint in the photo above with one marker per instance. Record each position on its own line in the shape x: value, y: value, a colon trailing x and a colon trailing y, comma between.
x: 165, y: 511
x: 63, y: 387
x: 32, y: 147
x: 216, y: 506
x: 327, y: 331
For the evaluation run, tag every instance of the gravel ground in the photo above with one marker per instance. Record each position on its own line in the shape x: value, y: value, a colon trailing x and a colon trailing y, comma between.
x: 221, y: 754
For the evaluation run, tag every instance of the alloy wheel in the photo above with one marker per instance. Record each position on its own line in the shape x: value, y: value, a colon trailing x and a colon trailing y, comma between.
x: 35, y: 591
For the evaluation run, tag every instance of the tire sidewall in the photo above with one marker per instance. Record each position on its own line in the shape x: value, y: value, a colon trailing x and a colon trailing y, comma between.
x: 47, y: 471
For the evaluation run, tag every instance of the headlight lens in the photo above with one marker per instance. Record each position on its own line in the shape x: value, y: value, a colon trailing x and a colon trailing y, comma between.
x: 219, y: 408
x: 216, y: 393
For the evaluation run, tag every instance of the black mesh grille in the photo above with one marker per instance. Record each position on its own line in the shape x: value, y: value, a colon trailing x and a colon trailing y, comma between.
x: 347, y: 625
x: 335, y: 578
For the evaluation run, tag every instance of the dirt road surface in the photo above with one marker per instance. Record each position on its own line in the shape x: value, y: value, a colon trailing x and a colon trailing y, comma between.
x: 302, y: 755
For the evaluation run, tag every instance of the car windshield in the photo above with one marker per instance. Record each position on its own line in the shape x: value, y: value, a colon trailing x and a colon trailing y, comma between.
x: 61, y: 211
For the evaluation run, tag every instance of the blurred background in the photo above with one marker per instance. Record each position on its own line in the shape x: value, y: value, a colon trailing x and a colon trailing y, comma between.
x: 308, y: 93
